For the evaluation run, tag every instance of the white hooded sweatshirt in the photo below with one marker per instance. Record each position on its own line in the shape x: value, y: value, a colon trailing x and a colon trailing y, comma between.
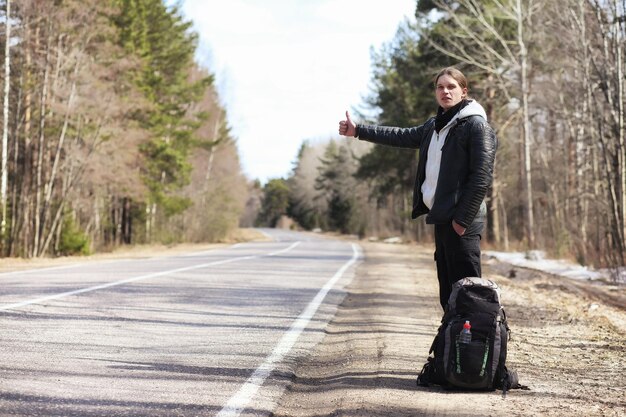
x: 433, y: 161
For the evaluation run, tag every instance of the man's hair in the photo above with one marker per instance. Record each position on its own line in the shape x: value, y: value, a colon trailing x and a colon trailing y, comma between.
x: 454, y: 73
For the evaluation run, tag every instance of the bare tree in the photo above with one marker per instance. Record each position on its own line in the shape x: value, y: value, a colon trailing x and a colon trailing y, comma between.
x: 5, y: 129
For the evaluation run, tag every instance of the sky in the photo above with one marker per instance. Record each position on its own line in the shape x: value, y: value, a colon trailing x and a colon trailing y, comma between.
x: 287, y: 70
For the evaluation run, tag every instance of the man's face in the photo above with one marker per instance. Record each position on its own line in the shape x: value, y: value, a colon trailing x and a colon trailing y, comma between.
x: 449, y: 93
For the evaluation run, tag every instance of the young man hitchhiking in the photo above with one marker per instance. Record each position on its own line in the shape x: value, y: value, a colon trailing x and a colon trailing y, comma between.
x: 454, y: 171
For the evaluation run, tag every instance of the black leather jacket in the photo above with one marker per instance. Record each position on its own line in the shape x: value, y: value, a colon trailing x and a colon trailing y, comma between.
x: 466, y: 170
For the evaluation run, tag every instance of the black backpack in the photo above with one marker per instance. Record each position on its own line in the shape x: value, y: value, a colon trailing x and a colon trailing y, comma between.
x: 481, y: 363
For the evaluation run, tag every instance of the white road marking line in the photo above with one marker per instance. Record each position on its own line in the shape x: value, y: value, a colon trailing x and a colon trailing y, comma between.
x: 267, y: 235
x: 203, y: 252
x: 139, y: 278
x: 283, y: 250
x: 109, y: 261
x: 50, y: 268
x: 240, y: 400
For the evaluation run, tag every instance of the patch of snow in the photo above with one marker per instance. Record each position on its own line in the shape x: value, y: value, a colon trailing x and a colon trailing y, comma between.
x: 393, y: 240
x: 535, y: 255
x: 617, y: 275
x: 535, y: 260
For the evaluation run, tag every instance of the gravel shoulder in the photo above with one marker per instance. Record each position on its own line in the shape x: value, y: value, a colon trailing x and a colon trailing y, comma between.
x: 568, y: 343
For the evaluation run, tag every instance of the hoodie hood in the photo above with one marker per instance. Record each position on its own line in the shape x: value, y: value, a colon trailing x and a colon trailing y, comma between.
x: 472, y: 109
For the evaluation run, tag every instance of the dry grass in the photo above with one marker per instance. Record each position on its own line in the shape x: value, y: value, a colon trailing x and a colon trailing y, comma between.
x: 134, y: 251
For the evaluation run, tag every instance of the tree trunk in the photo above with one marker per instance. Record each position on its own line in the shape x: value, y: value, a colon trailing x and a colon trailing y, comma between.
x: 15, y: 169
x: 57, y: 222
x: 22, y: 225
x: 40, y: 150
x: 526, y: 138
x: 5, y: 132
x: 621, y: 149
x: 216, y: 130
x: 49, y: 187
x: 493, y: 226
x: 126, y: 221
x: 505, y: 226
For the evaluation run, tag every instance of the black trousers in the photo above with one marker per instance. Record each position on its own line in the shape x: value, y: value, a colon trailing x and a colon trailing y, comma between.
x: 457, y: 257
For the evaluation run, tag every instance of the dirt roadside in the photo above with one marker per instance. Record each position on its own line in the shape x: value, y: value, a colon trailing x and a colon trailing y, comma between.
x: 568, y: 345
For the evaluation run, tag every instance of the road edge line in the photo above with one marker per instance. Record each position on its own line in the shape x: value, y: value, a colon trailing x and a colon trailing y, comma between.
x: 240, y: 400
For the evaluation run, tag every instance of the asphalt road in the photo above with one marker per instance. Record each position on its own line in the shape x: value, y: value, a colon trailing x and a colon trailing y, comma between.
x: 201, y: 334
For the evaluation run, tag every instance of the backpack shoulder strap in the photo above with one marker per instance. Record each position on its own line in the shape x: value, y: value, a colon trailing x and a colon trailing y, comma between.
x: 510, y: 380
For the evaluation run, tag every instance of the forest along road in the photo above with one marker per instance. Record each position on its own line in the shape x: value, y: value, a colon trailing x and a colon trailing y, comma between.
x: 211, y: 333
